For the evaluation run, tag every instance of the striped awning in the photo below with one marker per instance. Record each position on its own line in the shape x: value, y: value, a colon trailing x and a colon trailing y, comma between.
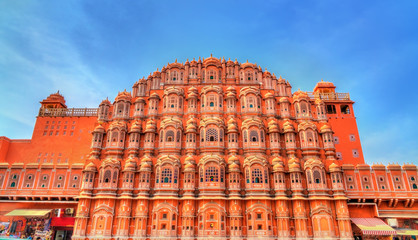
x: 29, y: 212
x: 407, y: 232
x: 373, y: 226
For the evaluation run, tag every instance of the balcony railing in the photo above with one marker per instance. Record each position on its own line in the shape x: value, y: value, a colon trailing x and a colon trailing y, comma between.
x: 68, y: 112
x: 330, y: 96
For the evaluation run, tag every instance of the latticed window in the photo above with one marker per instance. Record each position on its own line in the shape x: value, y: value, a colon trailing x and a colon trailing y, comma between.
x: 212, y: 174
x: 211, y: 135
x: 166, y: 175
x: 212, y: 75
x: 173, y: 102
x: 257, y: 176
x: 107, y: 175
x: 249, y: 76
x: 174, y: 76
x: 169, y: 136
x: 317, y: 177
x: 254, y: 136
x: 115, y: 175
x: 250, y: 102
x: 178, y: 136
x: 211, y: 101
x: 176, y: 173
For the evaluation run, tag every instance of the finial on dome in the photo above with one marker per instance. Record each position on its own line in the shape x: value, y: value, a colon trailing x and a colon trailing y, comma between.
x: 157, y: 70
x: 247, y: 60
x: 58, y: 91
x: 322, y: 80
x: 176, y: 60
x: 194, y: 59
x: 211, y: 55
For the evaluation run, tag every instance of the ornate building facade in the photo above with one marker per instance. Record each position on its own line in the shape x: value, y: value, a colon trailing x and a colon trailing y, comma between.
x: 207, y: 149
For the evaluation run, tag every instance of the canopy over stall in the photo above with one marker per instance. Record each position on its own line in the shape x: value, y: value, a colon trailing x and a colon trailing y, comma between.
x: 29, y: 212
x: 373, y: 226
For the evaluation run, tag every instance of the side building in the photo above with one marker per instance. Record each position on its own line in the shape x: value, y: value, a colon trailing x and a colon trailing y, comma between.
x: 208, y: 149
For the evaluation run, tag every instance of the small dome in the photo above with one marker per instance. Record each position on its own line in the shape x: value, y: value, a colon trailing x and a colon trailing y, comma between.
x: 334, y: 167
x: 318, y: 101
x: 300, y: 95
x: 233, y: 167
x: 91, y: 167
x: 294, y: 167
x: 123, y: 96
x: 288, y: 127
x: 233, y: 158
x: 156, y: 73
x: 277, y: 160
x: 293, y: 160
x: 325, y: 128
x: 231, y: 89
x: 130, y: 165
x: 154, y: 95
x: 248, y: 65
x: 189, y: 167
x: 145, y: 166
x: 192, y: 93
x: 278, y: 168
x: 136, y: 127
x: 273, y: 127
x: 105, y: 102
x: 139, y: 100
x: 266, y: 73
x: 284, y: 100
x: 99, y: 129
x: 145, y: 158
x: 150, y: 127
x: 189, y: 158
x: 269, y: 95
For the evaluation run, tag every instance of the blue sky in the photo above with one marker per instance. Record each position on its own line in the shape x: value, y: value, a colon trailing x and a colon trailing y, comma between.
x: 90, y: 50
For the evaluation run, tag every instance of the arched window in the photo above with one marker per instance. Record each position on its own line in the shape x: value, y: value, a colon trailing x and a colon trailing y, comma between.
x: 174, y: 76
x: 250, y: 102
x: 178, y: 135
x: 317, y: 177
x: 166, y: 175
x: 257, y: 176
x: 212, y: 174
x: 211, y: 135
x: 169, y: 136
x: 212, y: 75
x: 107, y: 176
x: 249, y: 76
x: 245, y: 136
x: 13, y: 184
x: 173, y: 102
x: 414, y: 186
x: 254, y: 136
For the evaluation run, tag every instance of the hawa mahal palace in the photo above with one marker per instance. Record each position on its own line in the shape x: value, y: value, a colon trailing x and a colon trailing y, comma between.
x: 207, y: 149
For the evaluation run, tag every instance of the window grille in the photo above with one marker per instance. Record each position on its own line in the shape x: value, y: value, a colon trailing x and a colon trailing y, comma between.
x: 211, y: 174
x: 257, y: 176
x: 166, y: 175
x: 211, y: 135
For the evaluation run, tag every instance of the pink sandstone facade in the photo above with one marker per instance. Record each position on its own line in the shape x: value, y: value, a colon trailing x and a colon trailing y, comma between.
x: 202, y: 150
